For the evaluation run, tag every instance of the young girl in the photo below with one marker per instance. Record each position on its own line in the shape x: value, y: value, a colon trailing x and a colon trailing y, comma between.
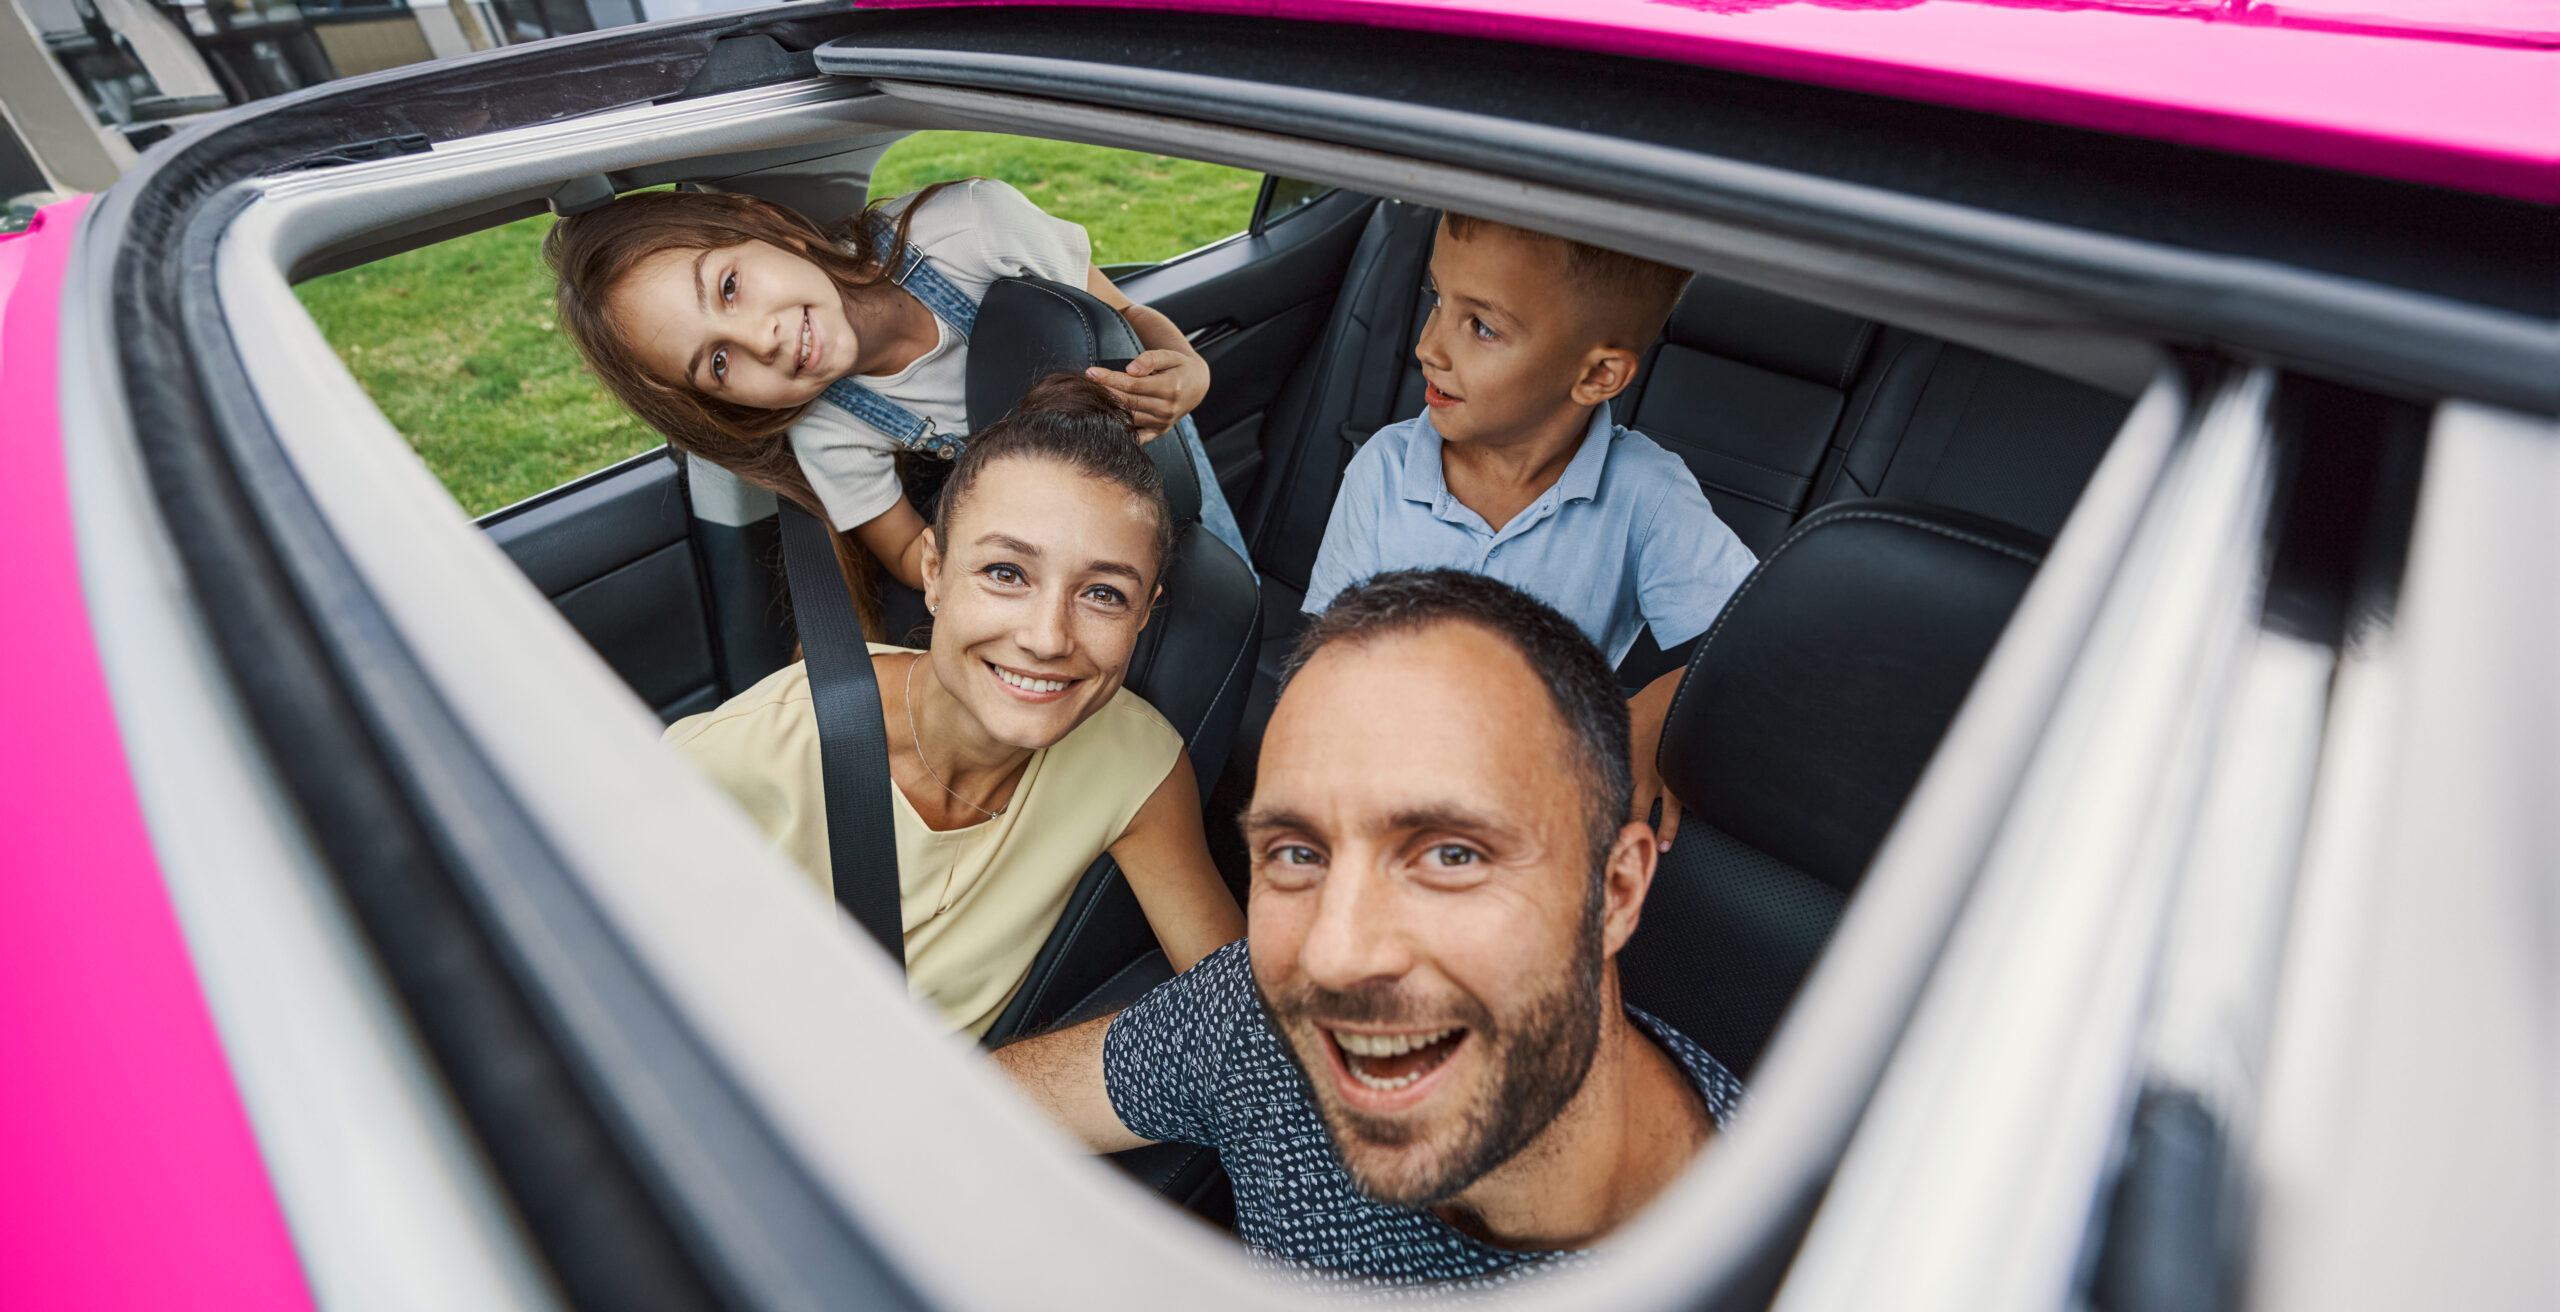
x: 1016, y: 756
x: 810, y: 362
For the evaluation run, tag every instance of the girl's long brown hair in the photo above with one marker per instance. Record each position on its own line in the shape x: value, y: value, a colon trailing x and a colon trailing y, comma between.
x: 592, y: 252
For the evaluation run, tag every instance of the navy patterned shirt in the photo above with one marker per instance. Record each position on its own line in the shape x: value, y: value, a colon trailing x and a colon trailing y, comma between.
x: 1195, y: 1061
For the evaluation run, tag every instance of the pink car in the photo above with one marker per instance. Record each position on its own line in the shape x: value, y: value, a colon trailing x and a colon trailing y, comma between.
x: 2134, y: 889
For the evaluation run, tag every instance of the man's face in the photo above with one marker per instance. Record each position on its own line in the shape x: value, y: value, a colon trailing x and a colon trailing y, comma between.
x: 1423, y: 928
x: 1507, y: 342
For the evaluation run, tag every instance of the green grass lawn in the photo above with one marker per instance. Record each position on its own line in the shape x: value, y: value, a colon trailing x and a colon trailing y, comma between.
x: 458, y: 344
x: 1138, y: 208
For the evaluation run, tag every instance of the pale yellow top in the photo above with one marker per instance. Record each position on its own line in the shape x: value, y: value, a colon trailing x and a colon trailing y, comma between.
x: 976, y: 902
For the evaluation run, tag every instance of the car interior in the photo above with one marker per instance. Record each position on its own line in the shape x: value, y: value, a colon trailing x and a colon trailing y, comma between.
x: 2056, y: 448
x: 1899, y: 489
x: 1899, y: 467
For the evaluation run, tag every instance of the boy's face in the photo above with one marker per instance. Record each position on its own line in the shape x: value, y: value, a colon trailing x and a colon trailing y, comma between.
x: 1510, y: 344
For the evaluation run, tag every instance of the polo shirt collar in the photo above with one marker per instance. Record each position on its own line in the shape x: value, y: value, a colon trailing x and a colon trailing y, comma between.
x: 1581, y: 478
x: 1424, y: 480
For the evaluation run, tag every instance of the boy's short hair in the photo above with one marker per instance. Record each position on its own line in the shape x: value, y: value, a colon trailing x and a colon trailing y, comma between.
x: 1627, y: 294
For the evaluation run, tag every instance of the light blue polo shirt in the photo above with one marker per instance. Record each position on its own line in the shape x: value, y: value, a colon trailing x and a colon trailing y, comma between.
x: 1624, y: 539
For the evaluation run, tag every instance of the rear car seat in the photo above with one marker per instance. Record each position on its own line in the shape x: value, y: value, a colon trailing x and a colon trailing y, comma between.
x: 1191, y: 660
x: 1778, y: 406
x: 1804, y: 720
x: 1748, y: 388
x: 1950, y: 426
x: 1361, y: 377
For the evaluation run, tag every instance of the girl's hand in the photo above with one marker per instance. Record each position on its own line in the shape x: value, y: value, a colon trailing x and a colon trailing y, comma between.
x: 1159, y: 387
x: 1167, y: 379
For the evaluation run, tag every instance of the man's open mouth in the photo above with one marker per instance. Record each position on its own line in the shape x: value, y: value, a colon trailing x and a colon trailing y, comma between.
x: 1388, y: 1062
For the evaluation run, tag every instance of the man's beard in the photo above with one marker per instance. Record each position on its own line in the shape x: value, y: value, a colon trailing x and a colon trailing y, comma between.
x: 1538, y: 1058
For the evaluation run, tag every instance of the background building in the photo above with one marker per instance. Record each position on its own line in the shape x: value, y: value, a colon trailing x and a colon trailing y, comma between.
x: 86, y: 85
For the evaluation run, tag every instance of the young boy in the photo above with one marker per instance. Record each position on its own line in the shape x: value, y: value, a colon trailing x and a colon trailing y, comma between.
x: 1516, y: 470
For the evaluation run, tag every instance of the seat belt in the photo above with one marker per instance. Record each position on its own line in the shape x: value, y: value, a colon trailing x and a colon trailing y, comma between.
x: 853, y: 738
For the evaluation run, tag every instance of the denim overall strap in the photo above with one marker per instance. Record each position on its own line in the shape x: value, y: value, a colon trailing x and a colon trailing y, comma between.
x: 949, y: 304
x: 927, y: 284
x: 904, y: 426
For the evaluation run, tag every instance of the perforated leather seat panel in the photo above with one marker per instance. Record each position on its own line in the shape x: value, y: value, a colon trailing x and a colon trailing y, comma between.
x: 1803, y: 722
x: 1727, y: 936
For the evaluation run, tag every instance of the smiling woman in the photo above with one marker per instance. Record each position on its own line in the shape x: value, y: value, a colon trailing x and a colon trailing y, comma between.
x: 1016, y: 754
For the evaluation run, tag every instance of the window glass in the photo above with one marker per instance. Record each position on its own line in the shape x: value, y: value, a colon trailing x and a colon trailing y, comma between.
x: 1282, y: 197
x: 459, y: 345
x: 1141, y: 209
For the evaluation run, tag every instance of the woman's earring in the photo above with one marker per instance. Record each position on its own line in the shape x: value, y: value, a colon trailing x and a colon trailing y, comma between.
x: 931, y: 609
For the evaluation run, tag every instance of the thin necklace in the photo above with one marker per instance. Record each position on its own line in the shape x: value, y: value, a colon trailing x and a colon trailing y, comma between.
x: 920, y: 756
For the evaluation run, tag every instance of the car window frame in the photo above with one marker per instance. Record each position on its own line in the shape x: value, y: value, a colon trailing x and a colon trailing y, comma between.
x: 1732, y: 1200
x: 242, y: 428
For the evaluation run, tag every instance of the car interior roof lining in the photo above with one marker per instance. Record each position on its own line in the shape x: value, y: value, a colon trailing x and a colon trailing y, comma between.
x: 2143, y: 188
x: 2035, y: 330
x: 2057, y: 298
x: 480, y: 181
x: 2360, y: 332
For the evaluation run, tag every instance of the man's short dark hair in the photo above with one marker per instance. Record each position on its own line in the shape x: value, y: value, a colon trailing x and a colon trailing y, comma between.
x: 1577, y: 677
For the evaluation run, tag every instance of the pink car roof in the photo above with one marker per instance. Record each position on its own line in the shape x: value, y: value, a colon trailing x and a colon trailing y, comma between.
x: 2457, y: 93
x: 129, y: 1177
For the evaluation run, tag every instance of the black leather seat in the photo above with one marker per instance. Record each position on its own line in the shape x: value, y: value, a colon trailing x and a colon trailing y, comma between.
x: 1950, y: 426
x: 1362, y: 377
x: 1752, y: 391
x: 1777, y: 405
x: 1192, y: 662
x: 1805, y: 717
x: 1748, y: 389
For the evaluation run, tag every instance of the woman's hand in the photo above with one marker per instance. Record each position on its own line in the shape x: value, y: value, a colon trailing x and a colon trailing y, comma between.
x: 1159, y: 387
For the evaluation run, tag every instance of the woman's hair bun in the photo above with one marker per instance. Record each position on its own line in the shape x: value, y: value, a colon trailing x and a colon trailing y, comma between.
x: 1073, y: 421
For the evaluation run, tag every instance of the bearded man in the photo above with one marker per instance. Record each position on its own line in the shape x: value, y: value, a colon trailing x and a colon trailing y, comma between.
x: 1417, y: 1068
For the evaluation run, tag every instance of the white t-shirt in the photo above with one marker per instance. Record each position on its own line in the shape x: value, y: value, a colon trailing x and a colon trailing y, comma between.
x: 975, y: 233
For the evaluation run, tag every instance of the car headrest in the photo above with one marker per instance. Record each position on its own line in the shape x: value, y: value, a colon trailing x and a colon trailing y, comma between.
x: 1030, y: 328
x: 1812, y: 705
x: 1770, y: 331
